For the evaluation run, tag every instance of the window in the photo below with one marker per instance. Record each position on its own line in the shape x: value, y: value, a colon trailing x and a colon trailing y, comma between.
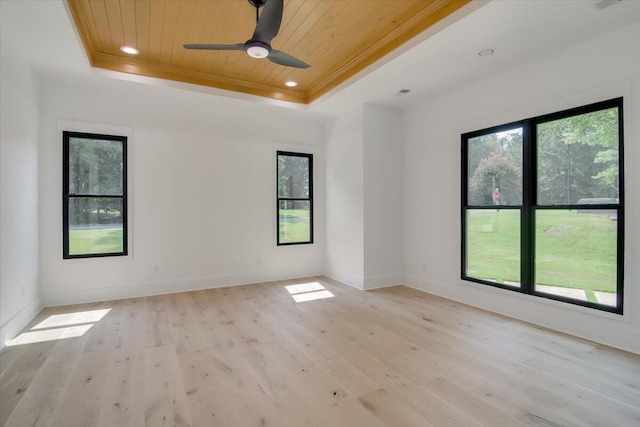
x: 542, y: 206
x: 295, y: 198
x: 94, y: 199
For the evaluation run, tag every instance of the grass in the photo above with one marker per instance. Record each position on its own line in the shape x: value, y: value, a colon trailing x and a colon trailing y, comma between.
x: 298, y: 230
x: 573, y: 250
x: 493, y: 240
x: 294, y: 213
x: 83, y: 242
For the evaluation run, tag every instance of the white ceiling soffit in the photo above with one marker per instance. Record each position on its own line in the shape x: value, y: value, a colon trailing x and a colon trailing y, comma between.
x: 517, y: 30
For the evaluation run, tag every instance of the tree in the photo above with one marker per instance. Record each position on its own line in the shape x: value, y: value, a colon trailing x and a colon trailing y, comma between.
x: 293, y: 178
x: 95, y: 168
x: 494, y: 161
x: 578, y: 157
x: 496, y: 172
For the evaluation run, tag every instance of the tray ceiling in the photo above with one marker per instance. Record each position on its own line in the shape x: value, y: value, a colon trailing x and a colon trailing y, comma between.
x: 339, y: 38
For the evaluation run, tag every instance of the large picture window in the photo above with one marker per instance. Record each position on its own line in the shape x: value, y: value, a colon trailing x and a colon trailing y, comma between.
x: 295, y: 198
x: 94, y: 196
x: 542, y: 206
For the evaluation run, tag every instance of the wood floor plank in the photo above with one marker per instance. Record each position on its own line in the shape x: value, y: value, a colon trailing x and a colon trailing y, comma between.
x: 42, y: 397
x: 271, y: 354
x: 606, y: 382
x: 19, y: 372
x: 215, y: 390
x: 391, y: 411
x: 165, y: 400
x: 465, y: 402
x: 158, y: 331
x: 80, y: 403
x: 596, y: 413
x: 292, y: 381
x: 122, y: 399
x: 543, y: 417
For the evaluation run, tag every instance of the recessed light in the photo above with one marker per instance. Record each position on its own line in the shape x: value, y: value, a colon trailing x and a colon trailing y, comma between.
x: 291, y: 84
x: 486, y: 52
x: 130, y: 50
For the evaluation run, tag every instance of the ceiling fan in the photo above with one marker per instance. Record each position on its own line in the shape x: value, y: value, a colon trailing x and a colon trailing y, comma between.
x: 259, y: 46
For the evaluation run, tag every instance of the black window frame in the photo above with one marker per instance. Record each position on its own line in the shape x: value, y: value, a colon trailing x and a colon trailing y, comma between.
x: 530, y: 203
x: 67, y: 196
x: 309, y: 199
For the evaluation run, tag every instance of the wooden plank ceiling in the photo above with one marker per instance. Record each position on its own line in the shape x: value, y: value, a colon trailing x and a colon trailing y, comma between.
x: 338, y: 38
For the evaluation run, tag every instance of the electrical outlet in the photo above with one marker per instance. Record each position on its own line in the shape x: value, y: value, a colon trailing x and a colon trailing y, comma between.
x: 156, y: 269
x: 259, y: 260
x: 424, y: 268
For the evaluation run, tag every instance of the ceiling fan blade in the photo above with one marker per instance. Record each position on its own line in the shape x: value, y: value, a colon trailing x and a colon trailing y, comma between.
x: 239, y: 46
x: 282, y: 58
x: 269, y: 21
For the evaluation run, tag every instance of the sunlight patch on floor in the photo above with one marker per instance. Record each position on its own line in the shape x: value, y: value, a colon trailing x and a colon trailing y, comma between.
x: 310, y: 296
x: 66, y: 319
x: 49, y: 335
x: 308, y: 292
x: 60, y: 326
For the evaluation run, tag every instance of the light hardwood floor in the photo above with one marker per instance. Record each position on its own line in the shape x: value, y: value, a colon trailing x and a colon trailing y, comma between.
x: 253, y: 356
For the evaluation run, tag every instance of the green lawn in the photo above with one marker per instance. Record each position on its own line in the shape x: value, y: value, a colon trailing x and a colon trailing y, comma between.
x: 298, y: 230
x: 574, y: 250
x: 95, y: 241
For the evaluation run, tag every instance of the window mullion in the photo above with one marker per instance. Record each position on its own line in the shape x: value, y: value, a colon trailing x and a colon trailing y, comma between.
x: 527, y: 226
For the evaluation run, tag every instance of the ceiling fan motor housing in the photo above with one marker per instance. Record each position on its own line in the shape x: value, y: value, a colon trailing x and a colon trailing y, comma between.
x: 257, y: 49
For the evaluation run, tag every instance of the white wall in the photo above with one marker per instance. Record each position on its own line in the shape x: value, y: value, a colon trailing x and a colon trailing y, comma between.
x: 364, y: 208
x: 19, y: 290
x: 599, y: 69
x: 382, y: 158
x: 201, y: 190
x: 344, y: 198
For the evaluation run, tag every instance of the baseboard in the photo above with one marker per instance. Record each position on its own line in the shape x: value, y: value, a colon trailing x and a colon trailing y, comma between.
x: 108, y: 293
x: 365, y: 283
x: 346, y: 278
x: 378, y: 282
x: 597, y: 326
x: 19, y: 320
